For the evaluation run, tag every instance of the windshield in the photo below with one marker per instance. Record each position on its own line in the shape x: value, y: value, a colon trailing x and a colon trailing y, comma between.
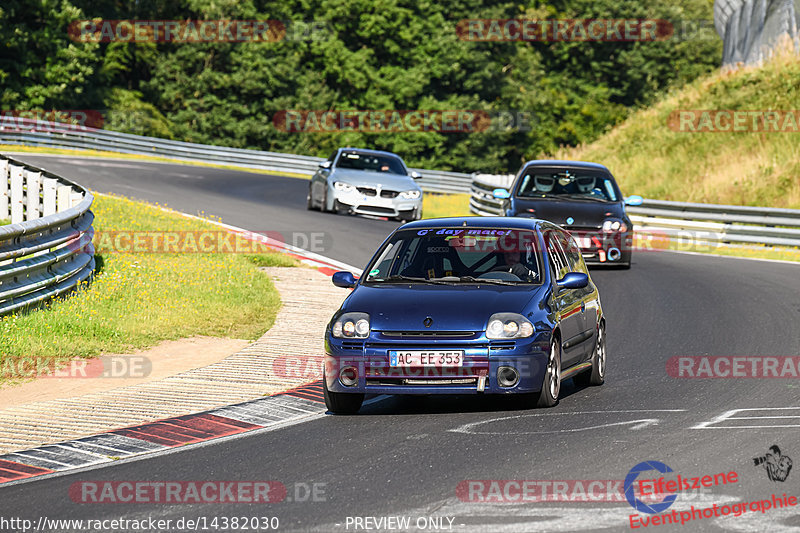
x: 458, y: 255
x: 371, y: 162
x: 572, y: 184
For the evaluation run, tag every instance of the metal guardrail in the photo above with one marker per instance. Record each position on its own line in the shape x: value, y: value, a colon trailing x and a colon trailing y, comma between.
x: 47, y: 249
x: 31, y: 132
x: 682, y: 221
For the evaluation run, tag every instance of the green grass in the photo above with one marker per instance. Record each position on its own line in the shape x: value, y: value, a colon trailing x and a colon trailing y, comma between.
x: 4, y: 222
x: 445, y: 205
x: 743, y: 168
x: 138, y: 300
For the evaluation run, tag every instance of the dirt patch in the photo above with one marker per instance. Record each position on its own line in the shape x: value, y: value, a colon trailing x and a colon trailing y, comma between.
x: 165, y: 359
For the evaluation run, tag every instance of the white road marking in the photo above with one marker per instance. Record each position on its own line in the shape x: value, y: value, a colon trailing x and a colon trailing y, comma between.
x: 469, y: 428
x: 728, y: 415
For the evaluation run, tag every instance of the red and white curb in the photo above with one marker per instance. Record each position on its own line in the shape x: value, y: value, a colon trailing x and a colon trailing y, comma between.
x: 273, y: 411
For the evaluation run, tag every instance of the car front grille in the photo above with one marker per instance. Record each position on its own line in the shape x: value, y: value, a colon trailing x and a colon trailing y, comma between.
x: 427, y: 334
x: 389, y: 194
x: 367, y: 191
x: 421, y: 381
x: 375, y: 210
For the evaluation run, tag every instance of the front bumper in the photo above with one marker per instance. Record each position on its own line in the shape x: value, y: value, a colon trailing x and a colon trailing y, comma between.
x: 598, y: 248
x: 482, y: 360
x: 369, y: 204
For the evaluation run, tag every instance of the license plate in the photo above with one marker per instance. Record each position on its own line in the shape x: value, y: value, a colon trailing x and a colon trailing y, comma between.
x: 436, y: 358
x: 583, y: 242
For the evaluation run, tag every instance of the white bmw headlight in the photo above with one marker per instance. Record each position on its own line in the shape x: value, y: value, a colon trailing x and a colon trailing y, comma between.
x: 410, y: 195
x: 351, y: 326
x: 508, y: 326
x: 343, y: 187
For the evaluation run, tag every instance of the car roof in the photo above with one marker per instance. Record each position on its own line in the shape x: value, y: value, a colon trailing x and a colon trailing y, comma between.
x: 482, y: 222
x: 368, y: 151
x: 563, y: 163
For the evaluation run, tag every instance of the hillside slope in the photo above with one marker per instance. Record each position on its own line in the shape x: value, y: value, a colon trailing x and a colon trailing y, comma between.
x: 650, y: 154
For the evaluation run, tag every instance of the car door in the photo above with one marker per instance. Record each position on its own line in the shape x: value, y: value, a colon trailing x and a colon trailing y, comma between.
x: 587, y: 296
x: 567, y: 303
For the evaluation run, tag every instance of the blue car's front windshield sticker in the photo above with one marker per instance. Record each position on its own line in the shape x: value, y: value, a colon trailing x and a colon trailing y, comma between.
x: 459, y: 255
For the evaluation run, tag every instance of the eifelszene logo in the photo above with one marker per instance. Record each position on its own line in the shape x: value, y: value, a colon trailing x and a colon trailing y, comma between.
x: 630, y: 495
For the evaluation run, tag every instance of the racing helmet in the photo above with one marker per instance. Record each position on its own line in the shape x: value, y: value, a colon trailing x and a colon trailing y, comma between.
x: 544, y: 183
x: 585, y: 183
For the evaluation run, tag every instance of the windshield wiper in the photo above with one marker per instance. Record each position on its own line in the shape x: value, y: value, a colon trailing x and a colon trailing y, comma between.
x: 490, y: 280
x: 400, y: 277
x: 584, y: 197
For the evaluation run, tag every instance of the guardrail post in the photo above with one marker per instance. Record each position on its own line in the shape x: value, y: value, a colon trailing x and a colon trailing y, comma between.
x: 17, y: 193
x: 4, y: 193
x: 49, y: 186
x: 63, y: 195
x: 33, y: 180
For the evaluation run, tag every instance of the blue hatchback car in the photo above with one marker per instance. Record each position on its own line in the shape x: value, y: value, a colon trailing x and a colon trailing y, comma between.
x: 475, y: 305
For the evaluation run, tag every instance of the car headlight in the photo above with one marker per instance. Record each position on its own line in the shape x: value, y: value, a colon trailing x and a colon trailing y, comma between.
x: 508, y: 326
x: 351, y: 326
x: 343, y: 187
x: 611, y: 225
x: 410, y: 195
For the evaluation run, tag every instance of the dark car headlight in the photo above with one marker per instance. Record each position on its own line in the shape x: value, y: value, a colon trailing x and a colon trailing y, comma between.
x: 613, y: 225
x: 508, y: 326
x: 351, y: 326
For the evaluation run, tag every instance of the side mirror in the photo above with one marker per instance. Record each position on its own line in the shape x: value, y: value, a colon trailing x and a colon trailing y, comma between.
x: 634, y: 200
x: 573, y: 280
x: 501, y: 194
x: 325, y: 165
x: 344, y: 280
x: 416, y: 175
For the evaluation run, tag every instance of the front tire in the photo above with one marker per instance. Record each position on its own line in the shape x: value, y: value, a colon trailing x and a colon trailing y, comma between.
x: 341, y: 403
x: 309, y: 200
x: 597, y: 375
x: 551, y: 385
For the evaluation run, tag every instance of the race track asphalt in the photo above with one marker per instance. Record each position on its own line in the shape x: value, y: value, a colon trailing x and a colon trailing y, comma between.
x: 407, y: 456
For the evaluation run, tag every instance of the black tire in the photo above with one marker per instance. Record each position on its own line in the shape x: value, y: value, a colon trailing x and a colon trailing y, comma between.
x: 323, y: 206
x: 626, y: 261
x: 341, y: 403
x: 597, y: 374
x: 309, y: 200
x: 551, y: 385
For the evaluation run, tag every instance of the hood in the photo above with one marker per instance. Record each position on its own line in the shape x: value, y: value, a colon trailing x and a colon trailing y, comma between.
x: 365, y: 178
x: 461, y: 308
x: 583, y: 213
